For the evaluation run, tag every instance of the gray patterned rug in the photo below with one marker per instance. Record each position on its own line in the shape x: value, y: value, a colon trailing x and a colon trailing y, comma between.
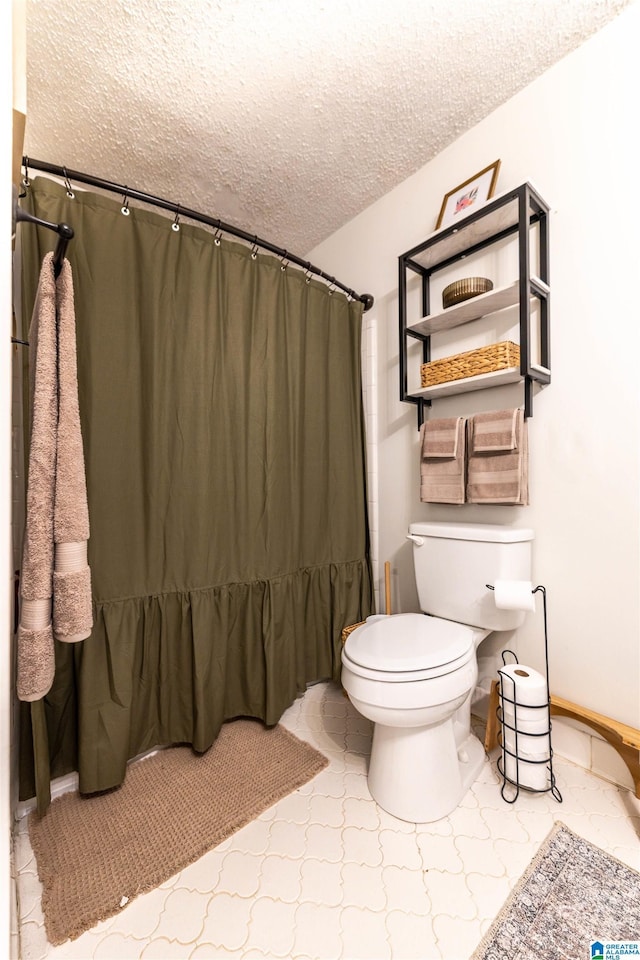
x: 571, y: 895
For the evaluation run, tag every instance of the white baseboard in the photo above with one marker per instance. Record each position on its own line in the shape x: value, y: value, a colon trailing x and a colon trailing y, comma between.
x: 68, y: 784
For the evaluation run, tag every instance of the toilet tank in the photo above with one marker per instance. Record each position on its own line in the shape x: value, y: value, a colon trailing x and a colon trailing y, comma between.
x: 454, y: 562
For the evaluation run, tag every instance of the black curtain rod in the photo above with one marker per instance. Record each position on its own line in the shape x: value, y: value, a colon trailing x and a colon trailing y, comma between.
x: 128, y: 192
x: 64, y: 231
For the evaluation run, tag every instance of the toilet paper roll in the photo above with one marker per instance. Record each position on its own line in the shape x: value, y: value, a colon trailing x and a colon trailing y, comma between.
x: 530, y: 687
x: 526, y: 746
x: 514, y: 595
x: 528, y: 727
x: 529, y: 720
x: 525, y: 713
x: 533, y: 776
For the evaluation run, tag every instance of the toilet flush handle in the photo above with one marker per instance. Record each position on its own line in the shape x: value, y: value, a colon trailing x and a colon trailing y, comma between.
x: 416, y: 539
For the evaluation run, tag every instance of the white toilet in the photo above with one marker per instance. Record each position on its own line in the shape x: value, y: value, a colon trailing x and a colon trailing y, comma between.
x: 413, y: 674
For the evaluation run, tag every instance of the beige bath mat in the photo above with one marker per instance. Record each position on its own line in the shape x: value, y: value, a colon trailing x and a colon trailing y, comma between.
x: 96, y: 853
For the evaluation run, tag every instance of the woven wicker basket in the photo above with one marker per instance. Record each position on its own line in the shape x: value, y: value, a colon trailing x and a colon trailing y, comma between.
x: 347, y: 630
x: 495, y: 356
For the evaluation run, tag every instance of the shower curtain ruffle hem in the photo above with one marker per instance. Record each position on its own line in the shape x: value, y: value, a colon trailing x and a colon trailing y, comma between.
x: 138, y: 688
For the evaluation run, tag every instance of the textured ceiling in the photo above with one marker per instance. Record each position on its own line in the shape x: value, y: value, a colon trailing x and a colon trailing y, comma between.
x: 283, y: 117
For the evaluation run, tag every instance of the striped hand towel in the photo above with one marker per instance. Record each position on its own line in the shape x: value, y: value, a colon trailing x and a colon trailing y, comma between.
x: 498, y: 463
x: 442, y: 460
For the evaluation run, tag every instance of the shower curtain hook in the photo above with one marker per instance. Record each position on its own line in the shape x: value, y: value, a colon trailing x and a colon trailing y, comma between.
x: 124, y: 209
x: 176, y: 224
x: 218, y: 233
x: 254, y: 249
x: 307, y: 272
x: 284, y: 262
x: 67, y: 184
x: 26, y: 182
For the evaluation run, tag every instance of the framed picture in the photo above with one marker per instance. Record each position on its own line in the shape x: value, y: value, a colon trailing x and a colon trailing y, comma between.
x: 474, y: 191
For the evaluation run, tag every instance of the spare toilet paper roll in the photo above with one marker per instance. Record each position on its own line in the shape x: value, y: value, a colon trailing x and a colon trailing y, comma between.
x: 524, y: 699
x: 528, y: 774
x: 525, y: 712
x: 525, y: 746
x: 529, y: 746
x: 514, y: 595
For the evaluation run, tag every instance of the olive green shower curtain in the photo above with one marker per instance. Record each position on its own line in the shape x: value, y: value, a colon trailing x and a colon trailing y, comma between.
x: 220, y: 399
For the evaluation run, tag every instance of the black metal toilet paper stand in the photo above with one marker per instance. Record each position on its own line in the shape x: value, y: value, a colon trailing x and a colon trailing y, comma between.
x: 513, y: 727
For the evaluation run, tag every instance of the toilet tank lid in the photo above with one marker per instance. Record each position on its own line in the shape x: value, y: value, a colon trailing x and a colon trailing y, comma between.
x: 486, y: 532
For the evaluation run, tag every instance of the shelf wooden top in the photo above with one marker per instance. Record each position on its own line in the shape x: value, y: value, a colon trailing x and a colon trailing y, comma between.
x: 472, y: 309
x: 502, y: 213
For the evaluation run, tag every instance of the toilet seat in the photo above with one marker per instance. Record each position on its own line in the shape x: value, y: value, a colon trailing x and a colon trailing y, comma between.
x: 409, y: 646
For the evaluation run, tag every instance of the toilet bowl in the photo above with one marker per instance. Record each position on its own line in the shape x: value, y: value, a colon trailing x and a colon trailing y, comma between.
x: 423, y: 757
x: 413, y: 674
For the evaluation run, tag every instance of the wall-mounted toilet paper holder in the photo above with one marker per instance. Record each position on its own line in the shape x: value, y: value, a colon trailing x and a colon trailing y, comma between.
x: 524, y: 735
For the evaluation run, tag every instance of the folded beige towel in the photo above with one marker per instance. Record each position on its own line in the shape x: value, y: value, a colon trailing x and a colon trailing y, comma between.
x: 35, y: 652
x: 442, y: 460
x: 496, y: 431
x: 440, y: 439
x: 72, y: 612
x: 498, y: 464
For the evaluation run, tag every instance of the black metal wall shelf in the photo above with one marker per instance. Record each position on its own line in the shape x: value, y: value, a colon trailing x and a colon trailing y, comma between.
x: 511, y: 214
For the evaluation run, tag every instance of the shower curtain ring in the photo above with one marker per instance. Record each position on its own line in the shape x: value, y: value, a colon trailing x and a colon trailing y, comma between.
x: 176, y: 224
x: 124, y: 209
x: 67, y: 184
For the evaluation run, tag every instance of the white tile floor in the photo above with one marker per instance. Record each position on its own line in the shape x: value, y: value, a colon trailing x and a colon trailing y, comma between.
x: 327, y: 874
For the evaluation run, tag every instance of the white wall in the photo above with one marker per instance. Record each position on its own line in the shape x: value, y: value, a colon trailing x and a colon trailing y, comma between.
x: 6, y: 104
x: 570, y: 133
